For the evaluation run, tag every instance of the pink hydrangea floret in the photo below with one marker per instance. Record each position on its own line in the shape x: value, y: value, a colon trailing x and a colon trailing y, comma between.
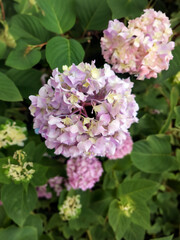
x: 143, y: 48
x: 54, y: 183
x: 124, y: 149
x: 83, y: 173
x: 84, y: 110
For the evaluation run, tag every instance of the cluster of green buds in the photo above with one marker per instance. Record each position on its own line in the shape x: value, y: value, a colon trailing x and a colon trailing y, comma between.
x: 71, y: 208
x: 177, y: 78
x: 126, y: 206
x: 11, y: 134
x: 22, y: 171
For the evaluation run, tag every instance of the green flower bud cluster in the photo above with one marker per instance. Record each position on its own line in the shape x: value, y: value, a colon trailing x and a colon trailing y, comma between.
x: 71, y: 208
x: 22, y: 171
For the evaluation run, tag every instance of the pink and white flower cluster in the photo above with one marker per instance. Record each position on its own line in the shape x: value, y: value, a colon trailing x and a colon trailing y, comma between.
x: 143, y: 48
x: 54, y: 183
x: 83, y: 173
x: 84, y: 111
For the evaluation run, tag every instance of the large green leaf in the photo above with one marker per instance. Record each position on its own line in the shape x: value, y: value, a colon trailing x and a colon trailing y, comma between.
x: 163, y: 238
x: 124, y: 8
x: 15, y: 233
x: 57, y: 15
x: 8, y: 90
x: 29, y: 28
x: 141, y: 188
x: 61, y: 51
x: 153, y: 155
x: 22, y: 57
x: 36, y: 222
x: 27, y: 81
x: 17, y: 202
x: 93, y: 14
x: 177, y: 112
x: 118, y: 220
x: 134, y: 232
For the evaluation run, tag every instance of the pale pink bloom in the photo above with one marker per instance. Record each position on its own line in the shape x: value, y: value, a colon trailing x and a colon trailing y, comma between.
x: 83, y: 173
x: 142, y: 48
x: 81, y: 111
x: 124, y: 148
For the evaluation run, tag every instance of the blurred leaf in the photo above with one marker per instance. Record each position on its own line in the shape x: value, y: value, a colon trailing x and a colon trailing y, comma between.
x: 101, y: 232
x: 93, y: 14
x: 36, y: 222
x: 118, y: 220
x: 177, y: 112
x: 152, y: 155
x: 134, y: 232
x: 25, y: 6
x: 22, y: 57
x: 28, y: 28
x: 57, y: 15
x: 164, y: 238
x: 9, y: 91
x: 27, y: 81
x: 141, y: 188
x: 15, y: 233
x: 2, y: 48
x: 61, y: 51
x: 17, y: 202
x: 128, y: 9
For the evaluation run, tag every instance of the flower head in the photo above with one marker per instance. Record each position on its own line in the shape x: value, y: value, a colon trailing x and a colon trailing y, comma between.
x: 124, y: 148
x: 142, y: 48
x: 84, y: 110
x: 22, y: 170
x: 71, y: 208
x: 83, y: 173
x: 12, y: 134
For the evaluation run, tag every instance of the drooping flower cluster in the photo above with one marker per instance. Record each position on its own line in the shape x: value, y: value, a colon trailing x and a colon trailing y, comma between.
x: 124, y: 149
x: 84, y: 111
x: 83, y: 173
x: 12, y: 134
x: 54, y: 183
x: 22, y: 170
x: 142, y: 48
x: 71, y: 208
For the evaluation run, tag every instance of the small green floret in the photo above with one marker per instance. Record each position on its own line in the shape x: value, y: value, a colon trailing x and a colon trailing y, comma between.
x: 71, y: 208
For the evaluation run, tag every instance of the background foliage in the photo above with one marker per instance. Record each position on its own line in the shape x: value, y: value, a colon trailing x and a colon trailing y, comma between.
x: 36, y: 36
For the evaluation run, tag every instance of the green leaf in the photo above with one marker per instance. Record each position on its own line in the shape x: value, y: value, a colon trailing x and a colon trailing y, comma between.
x: 93, y: 14
x: 17, y: 202
x: 61, y: 51
x: 57, y: 15
x: 118, y: 219
x: 100, y: 201
x: 177, y: 112
x: 101, y: 232
x: 15, y: 233
x: 3, y: 176
x: 174, y: 96
x: 2, y: 48
x: 141, y: 188
x: 27, y: 81
x: 128, y: 9
x: 36, y: 222
x: 163, y: 238
x: 9, y: 91
x: 134, y: 232
x: 29, y: 28
x: 153, y: 155
x: 22, y: 57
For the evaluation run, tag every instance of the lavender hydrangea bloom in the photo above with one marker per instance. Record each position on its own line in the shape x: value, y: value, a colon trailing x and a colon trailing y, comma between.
x: 54, y: 183
x: 84, y: 110
x: 143, y: 48
x: 83, y: 173
x: 124, y: 149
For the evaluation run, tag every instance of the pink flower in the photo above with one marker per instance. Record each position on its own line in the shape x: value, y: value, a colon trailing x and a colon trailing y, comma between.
x: 83, y: 173
x: 84, y: 110
x: 42, y: 192
x: 124, y: 148
x: 143, y: 48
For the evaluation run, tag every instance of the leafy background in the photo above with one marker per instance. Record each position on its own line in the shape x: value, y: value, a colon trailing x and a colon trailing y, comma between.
x: 36, y: 36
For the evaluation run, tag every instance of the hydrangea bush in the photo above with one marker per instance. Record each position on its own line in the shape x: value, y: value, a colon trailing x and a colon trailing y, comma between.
x: 87, y: 151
